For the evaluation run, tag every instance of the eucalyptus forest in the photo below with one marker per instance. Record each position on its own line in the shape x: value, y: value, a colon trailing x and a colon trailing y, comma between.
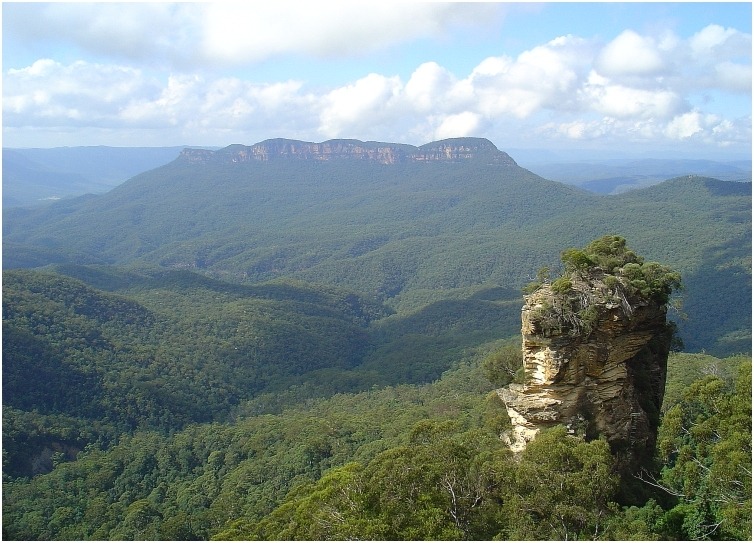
x: 311, y: 351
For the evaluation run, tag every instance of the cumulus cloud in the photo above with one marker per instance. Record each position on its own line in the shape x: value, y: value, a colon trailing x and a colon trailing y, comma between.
x: 48, y: 92
x: 621, y: 101
x: 714, y: 42
x: 580, y: 129
x: 630, y: 54
x: 366, y: 102
x: 733, y: 77
x: 458, y: 125
x: 117, y: 97
x: 634, y: 87
x: 546, y: 76
x: 684, y: 126
x: 429, y: 86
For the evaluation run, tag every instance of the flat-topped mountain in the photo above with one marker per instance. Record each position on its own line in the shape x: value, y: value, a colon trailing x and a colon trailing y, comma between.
x: 408, y: 225
x: 448, y: 150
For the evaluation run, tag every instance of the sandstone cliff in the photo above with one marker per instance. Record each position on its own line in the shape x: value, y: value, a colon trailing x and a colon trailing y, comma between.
x: 450, y: 150
x: 595, y: 348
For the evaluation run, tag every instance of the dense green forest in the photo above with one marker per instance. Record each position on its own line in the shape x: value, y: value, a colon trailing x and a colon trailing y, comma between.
x: 399, y: 462
x: 293, y: 350
x: 176, y: 406
x: 407, y: 234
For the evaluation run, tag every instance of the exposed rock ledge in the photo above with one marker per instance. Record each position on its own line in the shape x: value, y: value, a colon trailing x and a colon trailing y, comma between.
x: 450, y: 150
x: 595, y: 359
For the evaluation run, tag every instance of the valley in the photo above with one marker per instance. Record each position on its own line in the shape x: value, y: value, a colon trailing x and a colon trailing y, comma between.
x: 243, y: 333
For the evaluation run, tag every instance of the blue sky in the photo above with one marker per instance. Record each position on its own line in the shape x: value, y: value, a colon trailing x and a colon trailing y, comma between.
x: 651, y: 79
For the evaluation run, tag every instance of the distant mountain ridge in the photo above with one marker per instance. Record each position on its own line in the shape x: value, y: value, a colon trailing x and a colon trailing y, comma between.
x: 36, y: 176
x: 439, y: 220
x: 448, y: 150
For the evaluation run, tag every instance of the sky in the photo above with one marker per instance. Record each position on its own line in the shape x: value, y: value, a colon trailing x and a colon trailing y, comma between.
x: 646, y: 79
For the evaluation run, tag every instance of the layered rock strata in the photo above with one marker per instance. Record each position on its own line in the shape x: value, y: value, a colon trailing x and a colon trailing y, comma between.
x: 450, y: 150
x: 595, y: 361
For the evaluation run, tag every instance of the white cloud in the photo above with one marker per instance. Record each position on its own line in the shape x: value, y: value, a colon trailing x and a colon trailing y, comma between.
x: 620, y: 101
x: 243, y: 32
x: 367, y: 102
x: 714, y: 42
x: 692, y: 126
x: 733, y: 77
x: 636, y: 87
x: 49, y: 92
x: 581, y: 129
x: 458, y: 125
x: 684, y: 126
x: 709, y: 128
x: 429, y: 86
x: 178, y: 35
x: 630, y: 54
x: 176, y: 103
x: 546, y: 76
x: 116, y: 29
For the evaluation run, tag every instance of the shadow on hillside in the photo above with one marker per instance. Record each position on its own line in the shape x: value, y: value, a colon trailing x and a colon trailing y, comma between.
x: 721, y: 286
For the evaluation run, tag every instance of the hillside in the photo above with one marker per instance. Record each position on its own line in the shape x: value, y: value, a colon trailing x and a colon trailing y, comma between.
x: 372, y: 464
x: 35, y: 176
x: 160, y: 349
x: 613, y: 176
x: 149, y: 403
x: 423, y: 225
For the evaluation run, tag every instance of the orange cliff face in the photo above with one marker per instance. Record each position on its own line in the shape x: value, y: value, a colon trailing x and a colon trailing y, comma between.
x: 451, y: 150
x: 599, y: 372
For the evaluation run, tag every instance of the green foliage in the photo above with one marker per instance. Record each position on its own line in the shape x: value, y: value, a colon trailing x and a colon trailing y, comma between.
x: 403, y: 232
x: 106, y: 364
x: 496, y: 418
x: 446, y: 485
x: 685, y: 368
x: 561, y: 489
x: 561, y: 285
x: 610, y: 252
x: 588, y: 318
x: 501, y: 365
x: 576, y: 260
x: 569, y: 303
x: 154, y: 402
x: 531, y: 287
x: 705, y: 441
x: 434, y: 488
x: 381, y: 464
x: 199, y: 479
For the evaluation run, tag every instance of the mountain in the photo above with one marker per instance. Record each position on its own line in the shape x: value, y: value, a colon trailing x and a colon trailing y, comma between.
x: 26, y: 182
x: 450, y: 150
x: 225, y: 215
x: 411, y: 226
x: 613, y: 176
x: 35, y: 176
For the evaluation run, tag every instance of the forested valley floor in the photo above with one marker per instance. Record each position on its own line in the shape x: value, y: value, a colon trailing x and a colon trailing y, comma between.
x: 301, y: 349
x: 178, y: 407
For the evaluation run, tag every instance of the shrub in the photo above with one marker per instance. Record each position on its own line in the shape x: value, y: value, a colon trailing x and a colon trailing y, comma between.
x: 575, y: 260
x: 561, y: 285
